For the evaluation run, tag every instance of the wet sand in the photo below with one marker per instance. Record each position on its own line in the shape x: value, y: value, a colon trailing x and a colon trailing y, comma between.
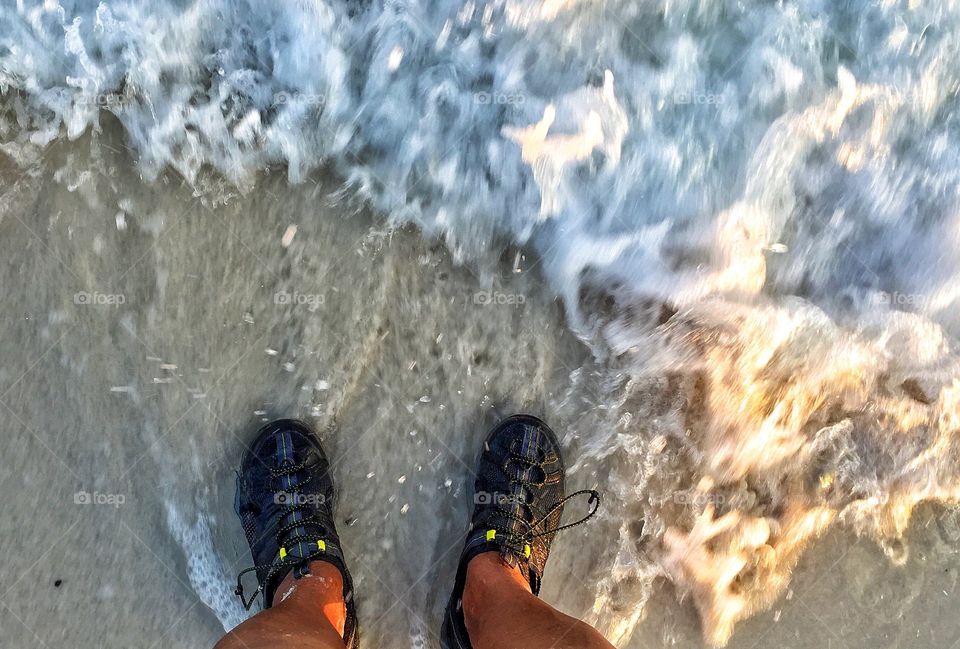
x: 148, y: 331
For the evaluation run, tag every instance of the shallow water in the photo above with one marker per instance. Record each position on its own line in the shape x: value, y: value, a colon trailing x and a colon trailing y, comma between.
x: 369, y: 334
x: 148, y: 398
x: 714, y: 243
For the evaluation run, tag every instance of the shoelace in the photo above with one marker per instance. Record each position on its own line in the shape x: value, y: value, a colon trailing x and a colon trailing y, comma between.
x: 517, y: 542
x: 309, y: 519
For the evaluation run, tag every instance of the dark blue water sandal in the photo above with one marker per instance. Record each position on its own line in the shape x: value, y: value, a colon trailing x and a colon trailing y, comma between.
x: 285, y: 500
x: 519, y: 499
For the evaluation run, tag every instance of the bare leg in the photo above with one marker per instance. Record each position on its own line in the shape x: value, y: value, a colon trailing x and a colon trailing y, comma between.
x: 501, y: 613
x: 308, y: 613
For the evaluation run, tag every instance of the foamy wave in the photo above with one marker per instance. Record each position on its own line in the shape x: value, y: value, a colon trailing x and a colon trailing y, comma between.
x: 206, y: 572
x: 767, y: 192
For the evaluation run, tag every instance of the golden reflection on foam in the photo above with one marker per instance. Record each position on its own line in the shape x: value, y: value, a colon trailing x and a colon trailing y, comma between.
x: 779, y: 393
x: 769, y: 417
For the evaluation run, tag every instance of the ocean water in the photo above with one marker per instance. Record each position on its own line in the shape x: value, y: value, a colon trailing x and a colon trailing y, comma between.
x: 715, y: 242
